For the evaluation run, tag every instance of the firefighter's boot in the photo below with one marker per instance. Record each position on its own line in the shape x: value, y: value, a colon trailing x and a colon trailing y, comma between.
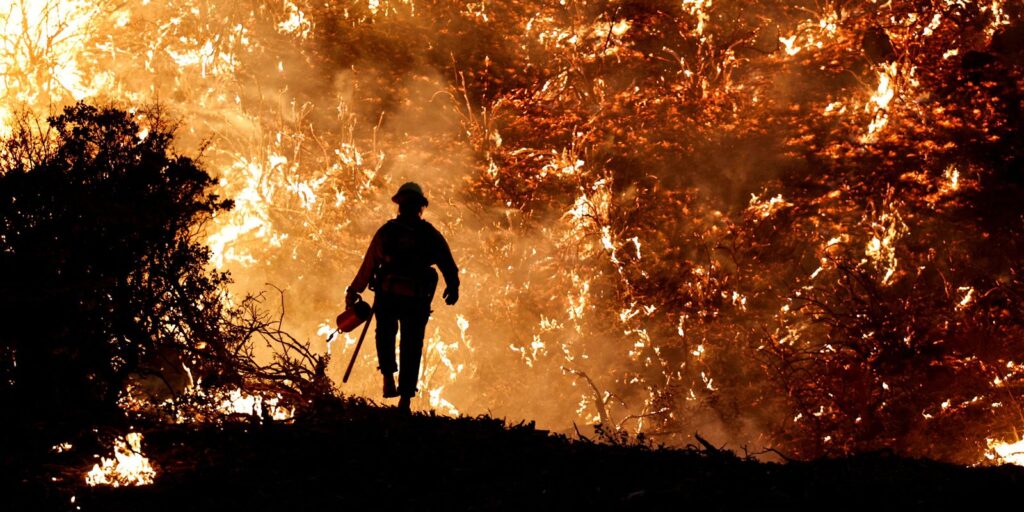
x: 390, y: 391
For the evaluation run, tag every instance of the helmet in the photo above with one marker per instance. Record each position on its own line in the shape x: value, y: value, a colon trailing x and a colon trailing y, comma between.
x: 410, y: 191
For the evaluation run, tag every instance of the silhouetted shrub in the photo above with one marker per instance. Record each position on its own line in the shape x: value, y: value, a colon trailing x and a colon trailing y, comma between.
x: 101, y: 273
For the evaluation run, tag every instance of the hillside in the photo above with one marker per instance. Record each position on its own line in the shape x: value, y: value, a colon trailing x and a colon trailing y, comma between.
x: 352, y: 453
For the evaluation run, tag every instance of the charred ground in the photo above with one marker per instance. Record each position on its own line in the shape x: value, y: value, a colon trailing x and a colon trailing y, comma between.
x: 355, y: 453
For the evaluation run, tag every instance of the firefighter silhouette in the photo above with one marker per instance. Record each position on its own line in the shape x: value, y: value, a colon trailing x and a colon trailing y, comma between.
x: 398, y: 267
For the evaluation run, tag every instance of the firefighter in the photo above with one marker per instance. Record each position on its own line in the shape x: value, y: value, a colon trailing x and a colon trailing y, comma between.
x: 398, y: 267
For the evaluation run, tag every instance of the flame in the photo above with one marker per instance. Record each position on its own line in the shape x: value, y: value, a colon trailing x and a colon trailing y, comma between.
x: 1002, y: 452
x: 198, y: 404
x: 766, y: 208
x: 240, y: 402
x: 967, y: 295
x: 41, y: 45
x: 878, y: 105
x: 699, y: 10
x: 790, y: 45
x: 952, y: 183
x: 128, y: 467
x: 297, y: 23
x: 812, y: 34
x: 887, y: 230
x: 439, y: 403
x: 999, y: 17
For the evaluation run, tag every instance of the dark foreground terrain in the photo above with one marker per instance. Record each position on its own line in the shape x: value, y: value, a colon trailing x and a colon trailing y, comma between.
x: 356, y: 455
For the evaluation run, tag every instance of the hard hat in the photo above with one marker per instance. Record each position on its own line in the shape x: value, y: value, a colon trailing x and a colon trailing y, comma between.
x: 408, y: 191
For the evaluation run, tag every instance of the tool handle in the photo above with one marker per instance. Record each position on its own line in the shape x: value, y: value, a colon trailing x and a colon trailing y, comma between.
x: 352, y: 362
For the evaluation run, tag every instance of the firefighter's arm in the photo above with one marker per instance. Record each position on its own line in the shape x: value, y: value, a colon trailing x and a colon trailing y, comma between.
x: 370, y: 263
x: 450, y: 271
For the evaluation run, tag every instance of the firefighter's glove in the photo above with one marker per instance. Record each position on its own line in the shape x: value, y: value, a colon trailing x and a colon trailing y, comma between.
x: 451, y: 295
x: 351, y: 297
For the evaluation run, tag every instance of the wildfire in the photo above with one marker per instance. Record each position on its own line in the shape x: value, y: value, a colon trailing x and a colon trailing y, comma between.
x: 128, y: 466
x: 618, y: 131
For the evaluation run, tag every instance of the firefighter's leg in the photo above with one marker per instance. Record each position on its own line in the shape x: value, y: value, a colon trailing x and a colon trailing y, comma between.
x: 387, y: 328
x: 414, y: 324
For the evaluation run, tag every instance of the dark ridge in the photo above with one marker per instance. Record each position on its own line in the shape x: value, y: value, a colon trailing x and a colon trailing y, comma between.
x: 352, y: 454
